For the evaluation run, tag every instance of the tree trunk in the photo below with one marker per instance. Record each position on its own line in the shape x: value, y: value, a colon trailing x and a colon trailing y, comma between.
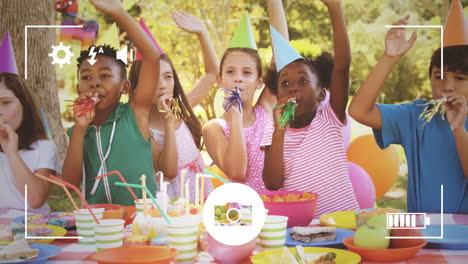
x: 14, y: 16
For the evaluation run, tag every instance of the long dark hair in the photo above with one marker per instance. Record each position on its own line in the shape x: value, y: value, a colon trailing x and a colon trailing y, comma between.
x: 31, y: 128
x: 187, y: 113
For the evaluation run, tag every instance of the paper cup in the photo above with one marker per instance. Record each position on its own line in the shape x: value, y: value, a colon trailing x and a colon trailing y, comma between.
x: 85, y: 224
x: 273, y: 233
x: 183, y: 236
x: 109, y: 234
x: 139, y: 205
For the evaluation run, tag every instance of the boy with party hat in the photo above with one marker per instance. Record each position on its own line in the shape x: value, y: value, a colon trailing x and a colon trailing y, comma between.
x: 112, y: 135
x: 433, y: 133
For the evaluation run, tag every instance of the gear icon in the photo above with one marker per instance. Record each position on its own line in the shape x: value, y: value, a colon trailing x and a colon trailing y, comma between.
x: 56, y: 50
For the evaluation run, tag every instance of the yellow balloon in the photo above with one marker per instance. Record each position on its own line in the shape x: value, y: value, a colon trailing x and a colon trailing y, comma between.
x: 381, y: 165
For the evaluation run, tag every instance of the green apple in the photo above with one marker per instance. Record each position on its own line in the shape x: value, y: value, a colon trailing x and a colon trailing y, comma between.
x: 370, y: 236
x: 378, y: 220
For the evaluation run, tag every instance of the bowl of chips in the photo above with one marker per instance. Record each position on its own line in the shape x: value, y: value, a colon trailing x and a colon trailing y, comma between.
x: 298, y: 206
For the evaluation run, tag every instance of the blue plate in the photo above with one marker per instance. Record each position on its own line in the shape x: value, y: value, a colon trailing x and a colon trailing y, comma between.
x: 341, y: 234
x: 455, y: 237
x: 20, y: 220
x: 45, y: 252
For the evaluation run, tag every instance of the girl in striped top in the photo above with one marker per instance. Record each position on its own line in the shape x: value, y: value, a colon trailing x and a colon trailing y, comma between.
x: 308, y: 154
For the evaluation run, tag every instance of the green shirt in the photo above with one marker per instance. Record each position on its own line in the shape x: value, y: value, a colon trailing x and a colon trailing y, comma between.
x: 130, y: 154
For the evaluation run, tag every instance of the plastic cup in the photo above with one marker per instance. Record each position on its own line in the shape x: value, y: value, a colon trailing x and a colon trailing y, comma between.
x: 109, y: 233
x: 273, y: 233
x: 85, y: 225
x: 139, y: 205
x: 183, y: 236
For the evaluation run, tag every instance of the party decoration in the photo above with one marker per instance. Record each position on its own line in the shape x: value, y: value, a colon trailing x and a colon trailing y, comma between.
x: 233, y: 98
x: 243, y: 37
x: 86, y: 35
x: 288, y: 113
x: 362, y: 185
x: 283, y: 51
x: 381, y: 165
x: 456, y: 26
x: 143, y: 25
x: 7, y: 56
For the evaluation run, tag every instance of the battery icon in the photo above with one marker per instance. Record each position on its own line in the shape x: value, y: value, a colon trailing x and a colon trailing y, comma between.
x: 407, y: 221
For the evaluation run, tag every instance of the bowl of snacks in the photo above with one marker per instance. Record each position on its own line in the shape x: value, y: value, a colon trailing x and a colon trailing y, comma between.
x: 363, y: 215
x: 111, y: 211
x: 298, y: 206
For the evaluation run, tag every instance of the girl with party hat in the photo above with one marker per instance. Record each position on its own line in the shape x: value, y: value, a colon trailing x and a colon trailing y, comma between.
x: 233, y: 141
x: 433, y: 133
x: 175, y: 128
x: 304, y: 148
x: 24, y: 148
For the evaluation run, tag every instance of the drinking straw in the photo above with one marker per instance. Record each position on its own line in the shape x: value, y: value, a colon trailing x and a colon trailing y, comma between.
x: 143, y: 194
x: 182, y: 182
x: 187, y: 197
x: 197, y: 190
x: 69, y: 185
x: 122, y: 179
x: 202, y: 191
x: 150, y: 195
x: 216, y: 176
x: 46, y: 124
x: 61, y: 185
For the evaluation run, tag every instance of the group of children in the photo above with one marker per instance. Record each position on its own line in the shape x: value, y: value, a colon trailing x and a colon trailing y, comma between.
x: 158, y: 131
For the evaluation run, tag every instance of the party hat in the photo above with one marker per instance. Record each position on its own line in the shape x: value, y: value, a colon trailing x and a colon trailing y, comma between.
x: 110, y: 37
x: 456, y: 26
x: 284, y: 53
x: 138, y: 55
x: 7, y: 56
x: 243, y: 37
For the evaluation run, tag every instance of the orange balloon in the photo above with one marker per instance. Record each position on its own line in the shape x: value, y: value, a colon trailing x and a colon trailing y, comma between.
x: 216, y: 183
x: 381, y: 165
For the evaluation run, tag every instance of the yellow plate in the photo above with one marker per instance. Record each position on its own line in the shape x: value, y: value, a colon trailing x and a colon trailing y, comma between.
x: 344, y: 219
x: 272, y: 256
x: 56, y: 232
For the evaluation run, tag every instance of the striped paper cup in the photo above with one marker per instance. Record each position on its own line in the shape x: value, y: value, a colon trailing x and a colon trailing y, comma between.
x: 183, y: 236
x: 85, y: 224
x: 139, y: 205
x: 109, y: 233
x: 273, y: 233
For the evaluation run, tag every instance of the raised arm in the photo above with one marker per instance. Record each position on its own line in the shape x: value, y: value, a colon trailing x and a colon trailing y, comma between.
x: 149, y: 73
x: 192, y: 24
x: 363, y: 108
x: 277, y: 18
x: 340, y: 75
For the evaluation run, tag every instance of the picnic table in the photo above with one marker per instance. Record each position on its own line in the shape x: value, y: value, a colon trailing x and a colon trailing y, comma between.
x: 74, y: 253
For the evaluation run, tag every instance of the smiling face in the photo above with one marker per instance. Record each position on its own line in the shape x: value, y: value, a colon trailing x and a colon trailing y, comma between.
x: 453, y: 83
x: 104, y: 78
x: 11, y: 109
x: 239, y: 69
x: 297, y: 80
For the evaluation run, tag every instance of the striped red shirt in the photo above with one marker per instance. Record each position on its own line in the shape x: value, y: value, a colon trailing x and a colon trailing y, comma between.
x: 315, y: 161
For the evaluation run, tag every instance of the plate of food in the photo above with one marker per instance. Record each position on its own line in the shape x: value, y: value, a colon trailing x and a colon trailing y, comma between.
x: 343, y: 219
x: 62, y: 219
x: 299, y: 255
x: 317, y: 236
x: 9, y: 234
x: 20, y: 252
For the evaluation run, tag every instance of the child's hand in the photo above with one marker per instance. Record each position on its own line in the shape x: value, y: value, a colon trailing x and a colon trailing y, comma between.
x: 396, y: 44
x: 8, y: 139
x: 279, y: 109
x: 188, y: 22
x: 233, y: 114
x: 83, y: 120
x: 456, y: 109
x: 108, y: 7
x: 165, y: 106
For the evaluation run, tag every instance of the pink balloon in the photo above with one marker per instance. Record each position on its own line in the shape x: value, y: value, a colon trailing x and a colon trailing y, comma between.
x: 362, y: 185
x: 346, y: 130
